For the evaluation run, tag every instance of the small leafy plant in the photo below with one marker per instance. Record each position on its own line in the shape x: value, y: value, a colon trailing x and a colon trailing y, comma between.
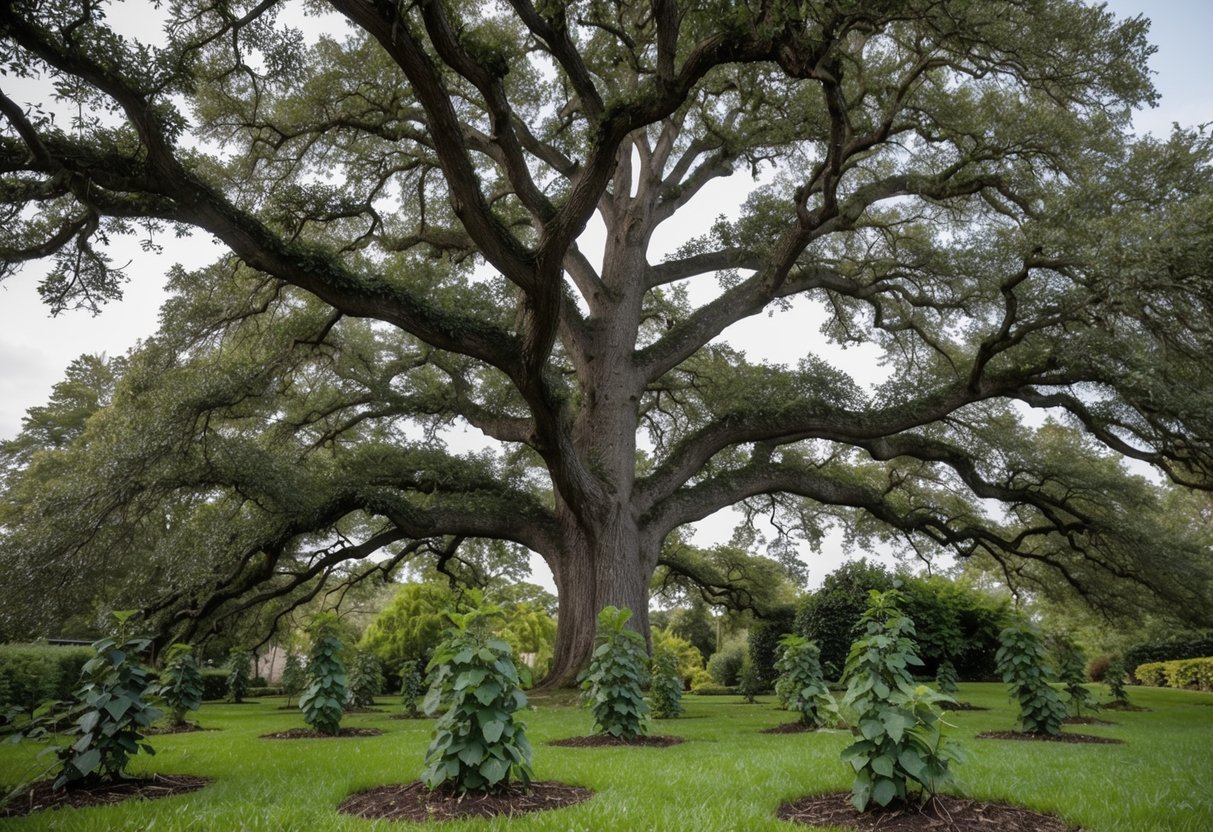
x: 946, y: 678
x: 799, y: 666
x: 238, y: 674
x: 366, y: 680
x: 1072, y: 672
x: 328, y: 686
x: 614, y: 681
x: 1114, y: 678
x: 109, y: 715
x: 411, y: 685
x: 477, y: 743
x: 1021, y: 661
x: 181, y: 683
x: 749, y: 685
x: 665, y: 686
x: 294, y: 677
x: 897, y: 724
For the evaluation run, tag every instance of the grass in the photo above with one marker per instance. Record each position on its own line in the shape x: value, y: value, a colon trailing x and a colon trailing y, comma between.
x: 726, y: 776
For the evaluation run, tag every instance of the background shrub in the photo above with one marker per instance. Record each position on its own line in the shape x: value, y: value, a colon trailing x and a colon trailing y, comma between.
x: 366, y: 679
x: 712, y: 689
x: 238, y: 674
x: 37, y: 672
x: 725, y: 665
x: 1165, y: 651
x: 214, y: 684
x: 1097, y: 668
x: 764, y: 644
x: 1196, y: 674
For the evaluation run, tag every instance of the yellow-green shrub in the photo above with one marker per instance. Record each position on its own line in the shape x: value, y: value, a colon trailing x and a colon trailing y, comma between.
x: 1181, y: 673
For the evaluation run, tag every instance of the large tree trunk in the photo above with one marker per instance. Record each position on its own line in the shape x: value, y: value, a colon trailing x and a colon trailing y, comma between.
x: 590, y: 577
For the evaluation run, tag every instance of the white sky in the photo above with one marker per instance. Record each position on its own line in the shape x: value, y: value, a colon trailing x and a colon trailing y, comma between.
x: 35, y: 348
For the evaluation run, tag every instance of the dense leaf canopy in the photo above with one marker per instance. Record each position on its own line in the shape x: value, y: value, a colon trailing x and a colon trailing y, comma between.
x: 403, y: 190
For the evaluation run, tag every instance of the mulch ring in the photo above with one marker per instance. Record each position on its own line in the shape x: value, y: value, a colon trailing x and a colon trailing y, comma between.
x: 1085, y: 720
x: 941, y: 814
x: 790, y: 728
x: 1025, y: 737
x: 604, y: 741
x: 309, y: 734
x: 406, y: 716
x: 414, y: 802
x: 41, y: 796
x: 1117, y: 706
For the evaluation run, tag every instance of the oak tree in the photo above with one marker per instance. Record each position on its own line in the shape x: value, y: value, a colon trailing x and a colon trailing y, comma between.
x: 403, y: 192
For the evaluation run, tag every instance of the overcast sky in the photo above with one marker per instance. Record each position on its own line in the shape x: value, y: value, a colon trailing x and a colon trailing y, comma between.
x: 35, y: 347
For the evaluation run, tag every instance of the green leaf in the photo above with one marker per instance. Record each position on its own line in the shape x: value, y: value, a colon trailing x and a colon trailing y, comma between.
x: 87, y: 762
x: 492, y: 731
x: 884, y: 792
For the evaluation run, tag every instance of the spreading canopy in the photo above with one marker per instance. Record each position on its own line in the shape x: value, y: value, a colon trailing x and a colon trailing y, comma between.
x: 404, y: 191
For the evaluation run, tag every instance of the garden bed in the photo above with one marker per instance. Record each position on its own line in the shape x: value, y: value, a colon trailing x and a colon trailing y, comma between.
x: 415, y: 802
x: 41, y: 796
x: 941, y: 814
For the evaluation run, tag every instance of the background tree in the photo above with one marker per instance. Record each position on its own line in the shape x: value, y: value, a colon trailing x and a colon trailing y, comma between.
x: 404, y: 212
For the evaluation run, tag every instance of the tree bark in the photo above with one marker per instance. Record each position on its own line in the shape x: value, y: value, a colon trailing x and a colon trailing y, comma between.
x: 609, y: 570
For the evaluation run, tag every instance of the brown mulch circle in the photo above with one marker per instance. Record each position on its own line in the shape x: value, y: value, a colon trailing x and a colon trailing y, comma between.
x: 961, y: 706
x: 1085, y: 720
x: 414, y: 802
x: 790, y: 728
x: 603, y: 741
x: 1025, y: 737
x: 309, y: 734
x: 1116, y: 706
x: 941, y: 814
x: 41, y: 796
x: 406, y: 716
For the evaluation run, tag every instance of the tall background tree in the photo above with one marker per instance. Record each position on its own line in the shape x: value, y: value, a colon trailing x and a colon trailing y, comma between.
x: 404, y: 200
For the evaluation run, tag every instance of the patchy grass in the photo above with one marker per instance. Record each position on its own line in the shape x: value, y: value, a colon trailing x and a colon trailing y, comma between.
x: 727, y: 775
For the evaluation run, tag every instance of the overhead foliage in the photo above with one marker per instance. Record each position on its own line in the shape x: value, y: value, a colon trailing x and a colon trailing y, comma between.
x: 952, y: 185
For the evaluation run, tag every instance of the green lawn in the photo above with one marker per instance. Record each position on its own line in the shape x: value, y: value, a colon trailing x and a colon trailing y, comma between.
x: 726, y: 776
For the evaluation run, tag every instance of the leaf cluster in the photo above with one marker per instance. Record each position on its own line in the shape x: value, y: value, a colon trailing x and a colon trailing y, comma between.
x: 897, y: 724
x: 109, y: 715
x: 801, y: 683
x: 477, y: 744
x: 614, y: 681
x: 328, y: 687
x: 1024, y: 667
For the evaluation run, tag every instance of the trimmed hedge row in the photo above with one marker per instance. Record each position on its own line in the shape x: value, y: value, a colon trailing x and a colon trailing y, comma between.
x: 1196, y: 674
x: 33, y: 673
x: 1168, y: 651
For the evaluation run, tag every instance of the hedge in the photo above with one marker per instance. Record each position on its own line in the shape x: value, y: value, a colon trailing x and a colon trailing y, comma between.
x: 32, y: 673
x: 214, y: 683
x: 1168, y: 651
x: 711, y: 689
x: 1196, y: 674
